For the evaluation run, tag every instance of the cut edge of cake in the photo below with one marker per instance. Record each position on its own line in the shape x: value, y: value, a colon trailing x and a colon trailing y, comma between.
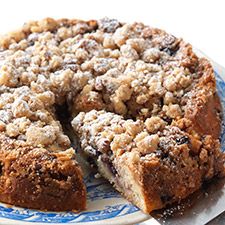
x: 144, y: 179
x: 36, y: 178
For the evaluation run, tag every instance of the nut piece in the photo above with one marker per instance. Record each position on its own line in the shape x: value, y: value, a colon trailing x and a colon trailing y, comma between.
x: 173, y: 110
x: 148, y: 144
x: 154, y: 124
x: 41, y: 135
x: 151, y: 55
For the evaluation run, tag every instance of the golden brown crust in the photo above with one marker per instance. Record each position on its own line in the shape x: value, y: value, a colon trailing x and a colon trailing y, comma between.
x: 36, y: 178
x: 202, y: 122
x: 174, y: 178
x: 203, y: 106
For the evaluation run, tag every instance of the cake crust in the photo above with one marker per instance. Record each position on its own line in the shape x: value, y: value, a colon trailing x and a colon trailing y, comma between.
x: 36, y: 178
x: 204, y: 107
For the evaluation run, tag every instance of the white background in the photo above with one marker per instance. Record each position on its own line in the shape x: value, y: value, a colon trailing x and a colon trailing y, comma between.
x: 200, y: 22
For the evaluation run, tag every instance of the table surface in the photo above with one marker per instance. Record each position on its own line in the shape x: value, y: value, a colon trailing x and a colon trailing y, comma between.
x: 220, y: 220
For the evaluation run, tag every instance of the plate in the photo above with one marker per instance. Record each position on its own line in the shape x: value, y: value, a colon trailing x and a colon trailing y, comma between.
x: 105, y: 205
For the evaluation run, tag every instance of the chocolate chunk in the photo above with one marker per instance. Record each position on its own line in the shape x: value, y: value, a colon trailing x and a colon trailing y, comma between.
x: 91, y: 161
x: 182, y: 140
x: 58, y: 176
x: 169, y: 44
x: 37, y: 166
x: 168, y: 120
x: 161, y: 154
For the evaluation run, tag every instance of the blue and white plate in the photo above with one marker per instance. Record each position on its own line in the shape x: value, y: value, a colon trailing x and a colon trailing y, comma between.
x: 105, y: 205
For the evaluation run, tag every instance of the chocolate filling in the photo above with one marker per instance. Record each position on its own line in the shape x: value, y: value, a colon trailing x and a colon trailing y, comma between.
x: 182, y: 140
x: 108, y: 162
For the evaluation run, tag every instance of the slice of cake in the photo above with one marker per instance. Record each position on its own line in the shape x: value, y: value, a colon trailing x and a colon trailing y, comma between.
x: 151, y: 169
x: 159, y: 140
x: 38, y: 168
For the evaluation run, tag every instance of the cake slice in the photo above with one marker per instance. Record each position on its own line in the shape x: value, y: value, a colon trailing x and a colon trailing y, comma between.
x: 155, y: 134
x: 150, y: 170
x: 36, y: 178
x: 38, y: 168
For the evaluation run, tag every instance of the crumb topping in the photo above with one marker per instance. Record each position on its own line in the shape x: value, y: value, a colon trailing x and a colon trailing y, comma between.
x: 136, y: 71
x: 28, y: 117
x: 130, y: 69
x: 103, y: 131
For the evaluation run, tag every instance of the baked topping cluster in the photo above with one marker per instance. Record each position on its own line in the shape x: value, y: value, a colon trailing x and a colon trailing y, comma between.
x: 130, y: 69
x: 104, y: 133
x: 29, y: 117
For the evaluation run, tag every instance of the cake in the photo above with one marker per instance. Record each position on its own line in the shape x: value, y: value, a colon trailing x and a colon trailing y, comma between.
x: 143, y: 106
